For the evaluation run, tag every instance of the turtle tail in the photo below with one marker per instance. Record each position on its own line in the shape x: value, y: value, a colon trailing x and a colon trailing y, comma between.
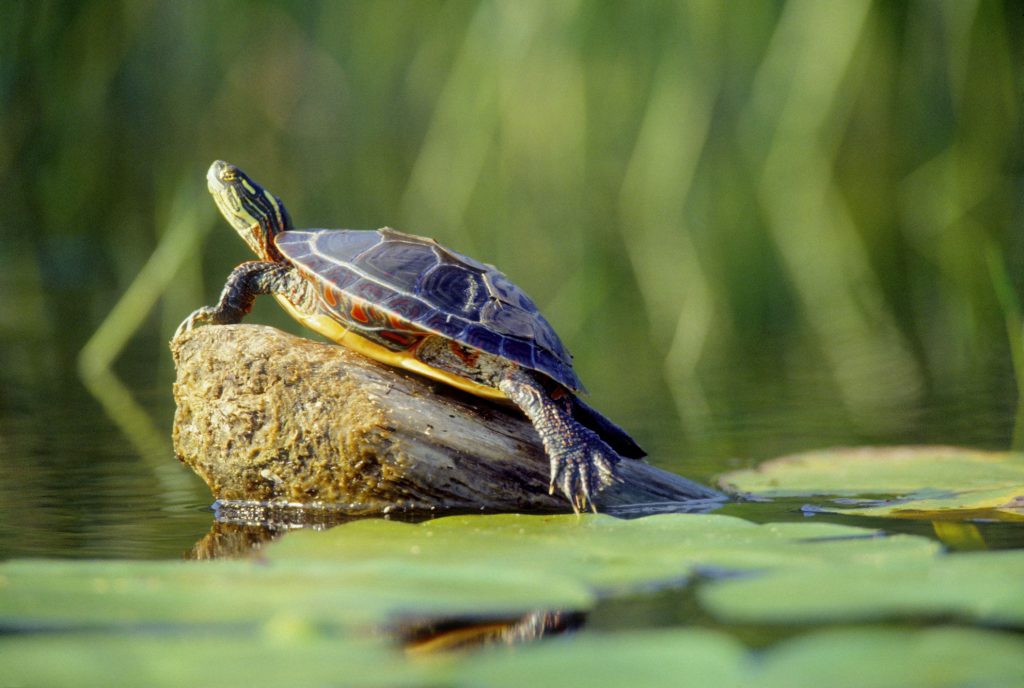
x: 614, y: 436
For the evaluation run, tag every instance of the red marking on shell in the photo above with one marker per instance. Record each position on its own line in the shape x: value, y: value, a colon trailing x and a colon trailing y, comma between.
x: 357, y: 313
x: 402, y: 324
x: 330, y: 297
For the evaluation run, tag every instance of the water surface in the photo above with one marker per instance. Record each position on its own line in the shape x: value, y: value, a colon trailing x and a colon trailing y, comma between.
x: 76, y: 484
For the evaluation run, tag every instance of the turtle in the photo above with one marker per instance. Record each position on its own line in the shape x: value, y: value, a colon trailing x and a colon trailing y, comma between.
x: 409, y: 302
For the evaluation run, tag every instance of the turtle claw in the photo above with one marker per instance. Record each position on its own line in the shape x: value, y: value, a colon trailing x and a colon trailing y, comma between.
x: 224, y: 313
x: 198, y: 317
x: 582, y: 464
x: 244, y: 283
x: 187, y: 324
x: 581, y: 471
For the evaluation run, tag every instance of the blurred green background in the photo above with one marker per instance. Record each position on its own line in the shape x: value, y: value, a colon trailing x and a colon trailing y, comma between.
x: 760, y: 227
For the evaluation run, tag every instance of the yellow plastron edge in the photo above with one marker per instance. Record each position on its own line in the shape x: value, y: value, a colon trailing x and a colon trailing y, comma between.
x: 399, y: 359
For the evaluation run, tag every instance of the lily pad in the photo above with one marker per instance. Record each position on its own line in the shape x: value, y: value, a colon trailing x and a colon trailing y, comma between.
x: 327, y: 599
x: 375, y: 571
x: 226, y: 594
x: 891, y: 658
x: 877, y: 657
x: 896, y: 658
x: 203, y: 658
x: 670, y: 658
x: 604, y: 553
x: 904, y: 482
x: 975, y: 586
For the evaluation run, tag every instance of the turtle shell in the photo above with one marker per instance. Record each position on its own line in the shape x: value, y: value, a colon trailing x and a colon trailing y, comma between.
x: 418, y: 282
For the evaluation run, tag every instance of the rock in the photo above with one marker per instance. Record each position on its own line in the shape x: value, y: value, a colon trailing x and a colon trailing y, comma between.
x: 266, y: 416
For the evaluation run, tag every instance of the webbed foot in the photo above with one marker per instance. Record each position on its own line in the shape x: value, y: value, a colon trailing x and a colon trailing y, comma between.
x: 582, y: 464
x: 581, y: 470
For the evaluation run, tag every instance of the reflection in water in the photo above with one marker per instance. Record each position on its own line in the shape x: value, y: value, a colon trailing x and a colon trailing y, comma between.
x: 187, y: 226
x: 959, y: 535
x: 695, y: 506
x: 242, y: 529
x: 231, y: 541
x: 451, y: 635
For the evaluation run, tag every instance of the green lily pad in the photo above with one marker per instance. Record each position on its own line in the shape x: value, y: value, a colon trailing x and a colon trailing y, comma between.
x: 326, y: 599
x: 876, y: 657
x: 604, y: 553
x: 231, y: 593
x: 205, y: 658
x: 670, y: 658
x: 973, y: 586
x: 890, y: 658
x: 904, y: 482
x: 375, y: 571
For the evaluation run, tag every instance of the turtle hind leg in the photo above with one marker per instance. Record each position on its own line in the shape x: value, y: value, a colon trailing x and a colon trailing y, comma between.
x: 617, y: 438
x: 244, y: 284
x: 582, y: 464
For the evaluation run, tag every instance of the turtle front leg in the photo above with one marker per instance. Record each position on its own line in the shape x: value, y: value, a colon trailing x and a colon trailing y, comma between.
x: 582, y: 464
x: 245, y: 283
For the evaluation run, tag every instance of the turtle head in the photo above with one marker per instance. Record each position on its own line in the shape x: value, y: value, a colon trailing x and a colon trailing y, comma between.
x: 255, y: 213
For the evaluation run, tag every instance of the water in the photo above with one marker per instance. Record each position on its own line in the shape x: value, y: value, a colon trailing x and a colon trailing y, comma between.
x: 73, y: 486
x: 76, y: 483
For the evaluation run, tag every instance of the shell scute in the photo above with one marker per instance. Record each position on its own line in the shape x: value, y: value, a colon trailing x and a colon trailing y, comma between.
x: 482, y: 338
x: 507, y: 319
x: 518, y: 350
x: 407, y: 307
x: 455, y: 289
x: 328, y: 243
x: 385, y: 275
x: 395, y: 262
x: 548, y: 340
x: 546, y: 360
x: 439, y: 321
x: 340, y: 277
x: 368, y: 290
x: 510, y: 293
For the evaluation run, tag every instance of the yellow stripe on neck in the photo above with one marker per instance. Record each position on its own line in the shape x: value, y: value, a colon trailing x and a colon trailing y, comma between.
x: 399, y: 359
